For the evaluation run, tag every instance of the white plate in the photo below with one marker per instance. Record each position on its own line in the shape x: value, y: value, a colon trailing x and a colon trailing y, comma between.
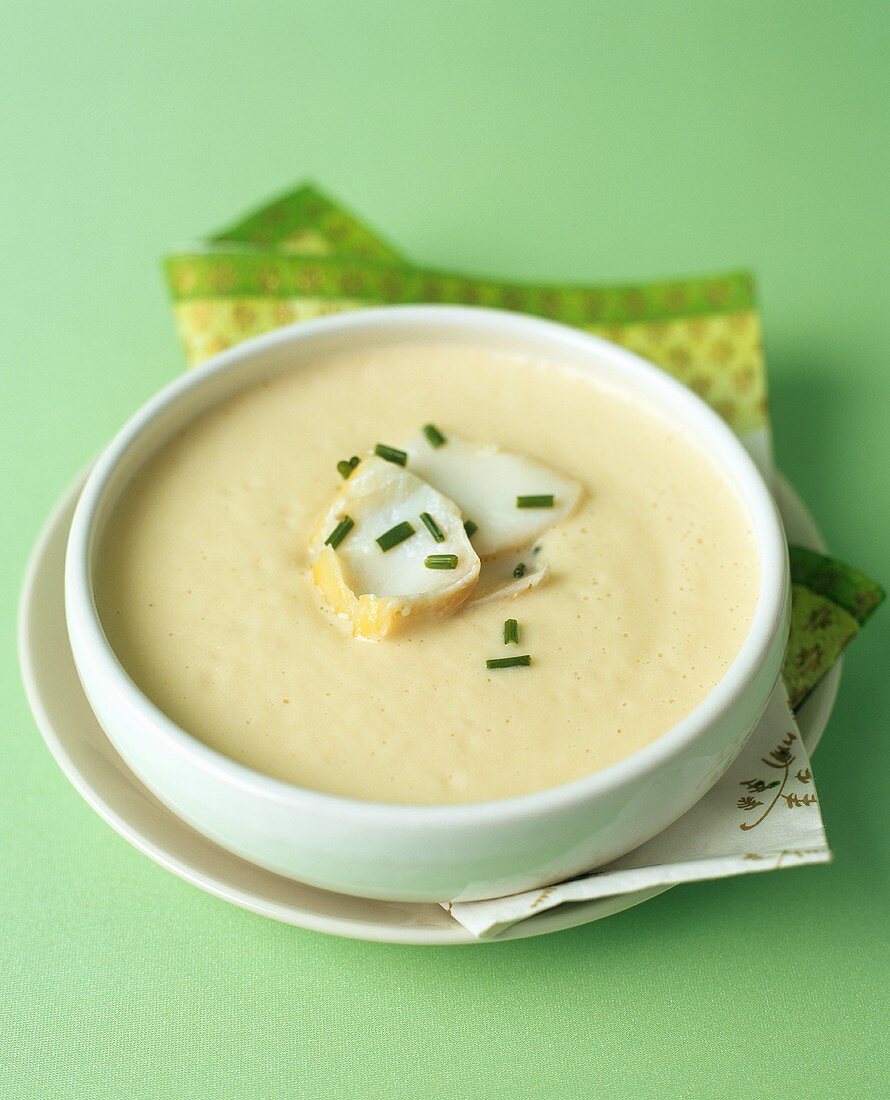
x: 87, y: 758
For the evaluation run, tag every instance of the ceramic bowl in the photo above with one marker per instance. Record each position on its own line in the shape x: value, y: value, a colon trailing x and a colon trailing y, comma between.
x: 409, y: 852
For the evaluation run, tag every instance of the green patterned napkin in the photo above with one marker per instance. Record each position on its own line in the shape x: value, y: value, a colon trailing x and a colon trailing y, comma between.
x: 304, y: 256
x: 830, y: 603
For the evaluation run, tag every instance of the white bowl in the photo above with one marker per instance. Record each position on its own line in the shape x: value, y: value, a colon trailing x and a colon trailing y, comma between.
x: 426, y: 853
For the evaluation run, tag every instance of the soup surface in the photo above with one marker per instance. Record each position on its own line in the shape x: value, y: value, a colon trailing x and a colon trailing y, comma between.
x: 203, y: 585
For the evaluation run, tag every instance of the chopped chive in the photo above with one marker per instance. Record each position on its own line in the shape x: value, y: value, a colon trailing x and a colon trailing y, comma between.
x: 511, y: 632
x: 431, y: 526
x: 347, y: 465
x: 441, y: 561
x: 519, y: 571
x: 391, y: 454
x: 470, y: 528
x: 508, y: 662
x: 433, y: 436
x: 536, y: 550
x: 340, y: 532
x: 542, y: 500
x: 395, y: 535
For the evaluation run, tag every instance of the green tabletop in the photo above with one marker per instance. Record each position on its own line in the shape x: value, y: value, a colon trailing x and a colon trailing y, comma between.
x: 570, y: 141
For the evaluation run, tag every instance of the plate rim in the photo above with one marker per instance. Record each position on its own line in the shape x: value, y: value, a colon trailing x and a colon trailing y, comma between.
x: 819, y: 707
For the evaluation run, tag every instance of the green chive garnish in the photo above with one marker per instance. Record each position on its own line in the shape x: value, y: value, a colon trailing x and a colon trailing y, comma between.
x: 431, y: 526
x: 519, y: 571
x: 470, y: 528
x: 433, y: 436
x: 340, y: 532
x: 509, y: 662
x: 542, y: 500
x: 391, y: 454
x: 441, y: 561
x: 511, y: 632
x: 347, y: 465
x: 395, y: 535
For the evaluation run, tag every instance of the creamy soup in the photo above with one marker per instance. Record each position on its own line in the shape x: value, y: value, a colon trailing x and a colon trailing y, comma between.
x: 204, y: 587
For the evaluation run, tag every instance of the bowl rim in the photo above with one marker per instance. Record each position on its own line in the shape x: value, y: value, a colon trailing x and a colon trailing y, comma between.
x: 88, y: 639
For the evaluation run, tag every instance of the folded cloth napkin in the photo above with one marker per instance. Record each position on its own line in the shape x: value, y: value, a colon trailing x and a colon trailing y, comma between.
x: 305, y: 256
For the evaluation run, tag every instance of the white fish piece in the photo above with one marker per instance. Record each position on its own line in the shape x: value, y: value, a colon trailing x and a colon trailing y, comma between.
x: 379, y: 589
x: 485, y: 481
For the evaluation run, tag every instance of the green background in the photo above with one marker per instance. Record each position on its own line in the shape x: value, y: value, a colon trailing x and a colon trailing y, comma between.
x: 563, y: 141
